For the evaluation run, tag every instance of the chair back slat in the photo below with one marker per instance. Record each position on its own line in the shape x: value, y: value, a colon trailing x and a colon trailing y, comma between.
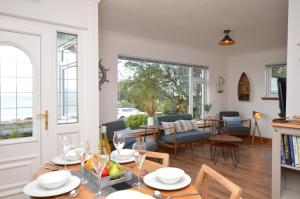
x: 206, y: 171
x: 162, y: 156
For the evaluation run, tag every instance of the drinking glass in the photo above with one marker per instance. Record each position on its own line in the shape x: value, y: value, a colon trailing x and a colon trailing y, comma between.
x: 139, y: 153
x: 119, y: 142
x: 99, y: 164
x: 81, y: 150
x: 65, y: 143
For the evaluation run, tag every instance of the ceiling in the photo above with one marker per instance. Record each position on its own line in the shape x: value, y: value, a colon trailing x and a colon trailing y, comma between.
x: 256, y: 24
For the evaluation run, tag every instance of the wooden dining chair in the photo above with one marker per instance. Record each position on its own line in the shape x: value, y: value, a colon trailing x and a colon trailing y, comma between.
x: 202, y: 178
x: 163, y: 157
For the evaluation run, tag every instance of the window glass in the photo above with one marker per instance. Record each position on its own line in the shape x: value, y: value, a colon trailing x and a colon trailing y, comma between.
x: 15, y: 93
x: 273, y: 73
x: 67, y: 78
x: 167, y: 84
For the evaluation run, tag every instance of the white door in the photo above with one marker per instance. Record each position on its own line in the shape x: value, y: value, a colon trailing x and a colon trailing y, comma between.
x: 40, y: 72
x: 19, y: 105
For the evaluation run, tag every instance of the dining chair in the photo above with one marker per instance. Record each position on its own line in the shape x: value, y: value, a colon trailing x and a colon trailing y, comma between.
x: 202, y: 178
x: 163, y: 157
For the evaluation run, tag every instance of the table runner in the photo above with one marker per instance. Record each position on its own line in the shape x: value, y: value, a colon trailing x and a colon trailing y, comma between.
x: 110, y: 189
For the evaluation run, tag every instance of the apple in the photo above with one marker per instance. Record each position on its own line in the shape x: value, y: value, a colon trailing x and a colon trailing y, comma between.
x: 105, y: 172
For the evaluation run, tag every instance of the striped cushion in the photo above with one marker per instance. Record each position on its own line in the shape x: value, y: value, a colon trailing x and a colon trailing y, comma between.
x: 188, y: 125
x: 169, y: 127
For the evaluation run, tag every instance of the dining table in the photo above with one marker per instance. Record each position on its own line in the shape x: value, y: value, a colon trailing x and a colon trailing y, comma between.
x: 148, y: 167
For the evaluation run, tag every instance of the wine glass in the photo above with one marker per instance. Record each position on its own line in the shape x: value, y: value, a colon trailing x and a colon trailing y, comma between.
x: 65, y: 144
x: 81, y: 150
x: 119, y: 142
x: 139, y: 153
x: 99, y: 164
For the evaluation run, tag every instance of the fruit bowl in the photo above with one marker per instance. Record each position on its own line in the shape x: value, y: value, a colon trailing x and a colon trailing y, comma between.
x: 111, y: 176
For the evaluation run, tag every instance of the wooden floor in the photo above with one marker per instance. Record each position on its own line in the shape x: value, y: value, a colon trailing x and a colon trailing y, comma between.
x: 253, y: 174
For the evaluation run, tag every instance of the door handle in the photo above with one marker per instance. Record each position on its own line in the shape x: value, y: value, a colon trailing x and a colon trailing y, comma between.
x: 46, y: 118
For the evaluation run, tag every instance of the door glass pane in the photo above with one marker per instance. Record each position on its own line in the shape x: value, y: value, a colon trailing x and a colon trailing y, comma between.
x: 67, y: 78
x: 15, y: 93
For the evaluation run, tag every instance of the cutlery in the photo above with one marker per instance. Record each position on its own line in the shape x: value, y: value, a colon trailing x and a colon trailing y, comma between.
x: 49, y: 168
x: 157, y: 194
x: 74, y: 193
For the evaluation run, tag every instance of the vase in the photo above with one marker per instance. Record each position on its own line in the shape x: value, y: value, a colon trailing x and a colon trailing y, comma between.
x: 150, y: 121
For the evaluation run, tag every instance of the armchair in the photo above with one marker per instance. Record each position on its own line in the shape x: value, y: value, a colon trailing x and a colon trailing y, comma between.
x: 242, y: 127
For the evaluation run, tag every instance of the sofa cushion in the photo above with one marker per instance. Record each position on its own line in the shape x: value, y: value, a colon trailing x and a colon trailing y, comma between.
x: 241, y: 129
x: 188, y: 125
x: 185, y: 137
x: 169, y: 127
x: 124, y: 132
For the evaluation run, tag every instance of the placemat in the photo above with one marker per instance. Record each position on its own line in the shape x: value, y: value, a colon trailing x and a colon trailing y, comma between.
x: 107, y: 190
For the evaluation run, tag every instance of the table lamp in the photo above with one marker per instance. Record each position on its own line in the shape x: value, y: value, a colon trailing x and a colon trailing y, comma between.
x: 257, y: 116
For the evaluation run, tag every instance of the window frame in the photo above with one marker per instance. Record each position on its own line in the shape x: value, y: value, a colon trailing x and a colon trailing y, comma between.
x: 192, y: 79
x: 268, y: 78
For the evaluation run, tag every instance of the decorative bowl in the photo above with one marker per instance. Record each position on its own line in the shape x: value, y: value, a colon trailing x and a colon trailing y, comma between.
x: 169, y: 175
x: 53, y: 180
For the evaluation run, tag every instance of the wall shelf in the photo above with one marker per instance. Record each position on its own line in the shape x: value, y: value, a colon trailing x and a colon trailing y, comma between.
x: 270, y: 98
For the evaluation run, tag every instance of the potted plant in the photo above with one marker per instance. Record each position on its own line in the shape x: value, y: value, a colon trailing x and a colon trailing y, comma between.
x: 150, y: 107
x: 207, y: 108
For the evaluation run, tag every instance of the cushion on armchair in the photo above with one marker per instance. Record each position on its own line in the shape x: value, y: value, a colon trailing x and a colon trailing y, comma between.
x: 232, y: 121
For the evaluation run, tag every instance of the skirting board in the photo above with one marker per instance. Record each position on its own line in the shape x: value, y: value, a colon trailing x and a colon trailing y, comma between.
x: 265, y: 140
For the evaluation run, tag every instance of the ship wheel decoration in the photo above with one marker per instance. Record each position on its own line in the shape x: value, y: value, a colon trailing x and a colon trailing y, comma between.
x: 102, y: 74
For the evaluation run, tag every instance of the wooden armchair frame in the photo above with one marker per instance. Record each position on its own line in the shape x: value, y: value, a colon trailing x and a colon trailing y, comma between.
x: 202, y: 178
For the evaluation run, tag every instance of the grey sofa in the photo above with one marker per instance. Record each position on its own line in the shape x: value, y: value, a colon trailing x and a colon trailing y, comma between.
x: 244, y: 129
x: 179, y: 139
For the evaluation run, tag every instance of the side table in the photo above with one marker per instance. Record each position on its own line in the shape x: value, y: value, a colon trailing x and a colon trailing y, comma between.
x: 225, y: 145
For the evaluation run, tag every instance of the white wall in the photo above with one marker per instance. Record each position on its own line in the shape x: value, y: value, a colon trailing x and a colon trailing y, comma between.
x: 253, y: 65
x: 112, y: 44
x: 293, y: 59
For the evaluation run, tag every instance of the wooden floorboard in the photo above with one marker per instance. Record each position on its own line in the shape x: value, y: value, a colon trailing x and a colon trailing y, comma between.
x: 253, y: 174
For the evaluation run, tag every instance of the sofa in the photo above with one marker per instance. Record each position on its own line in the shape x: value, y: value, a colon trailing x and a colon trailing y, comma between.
x: 242, y: 128
x: 119, y: 125
x: 176, y: 139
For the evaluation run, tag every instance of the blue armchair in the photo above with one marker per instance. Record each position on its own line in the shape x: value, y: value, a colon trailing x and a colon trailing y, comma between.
x: 232, y: 125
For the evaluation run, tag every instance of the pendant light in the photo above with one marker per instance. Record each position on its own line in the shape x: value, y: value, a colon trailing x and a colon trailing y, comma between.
x: 226, y: 41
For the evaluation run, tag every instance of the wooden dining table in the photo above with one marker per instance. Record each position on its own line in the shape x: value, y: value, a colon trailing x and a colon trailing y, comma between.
x: 148, y: 166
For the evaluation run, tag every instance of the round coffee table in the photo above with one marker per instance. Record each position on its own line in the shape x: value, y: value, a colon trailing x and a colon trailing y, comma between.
x: 226, y: 145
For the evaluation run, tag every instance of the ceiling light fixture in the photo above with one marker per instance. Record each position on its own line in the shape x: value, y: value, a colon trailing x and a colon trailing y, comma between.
x: 226, y: 41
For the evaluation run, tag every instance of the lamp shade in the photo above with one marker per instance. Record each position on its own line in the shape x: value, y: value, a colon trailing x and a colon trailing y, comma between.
x: 257, y: 115
x: 226, y: 41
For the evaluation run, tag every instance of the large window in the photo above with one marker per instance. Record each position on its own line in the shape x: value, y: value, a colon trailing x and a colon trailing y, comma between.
x: 67, y: 78
x: 15, y: 93
x: 176, y: 88
x: 273, y: 72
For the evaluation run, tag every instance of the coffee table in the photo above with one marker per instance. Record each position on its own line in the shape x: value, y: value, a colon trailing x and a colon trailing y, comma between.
x: 225, y: 145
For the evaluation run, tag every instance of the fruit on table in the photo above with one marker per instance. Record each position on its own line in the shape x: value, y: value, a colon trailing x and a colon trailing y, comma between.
x: 105, y: 172
x: 112, y: 168
x: 89, y: 163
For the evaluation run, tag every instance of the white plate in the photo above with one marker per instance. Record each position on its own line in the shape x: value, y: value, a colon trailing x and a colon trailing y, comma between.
x: 36, y: 190
x: 61, y: 161
x: 128, y: 194
x: 114, y: 157
x: 152, y: 180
